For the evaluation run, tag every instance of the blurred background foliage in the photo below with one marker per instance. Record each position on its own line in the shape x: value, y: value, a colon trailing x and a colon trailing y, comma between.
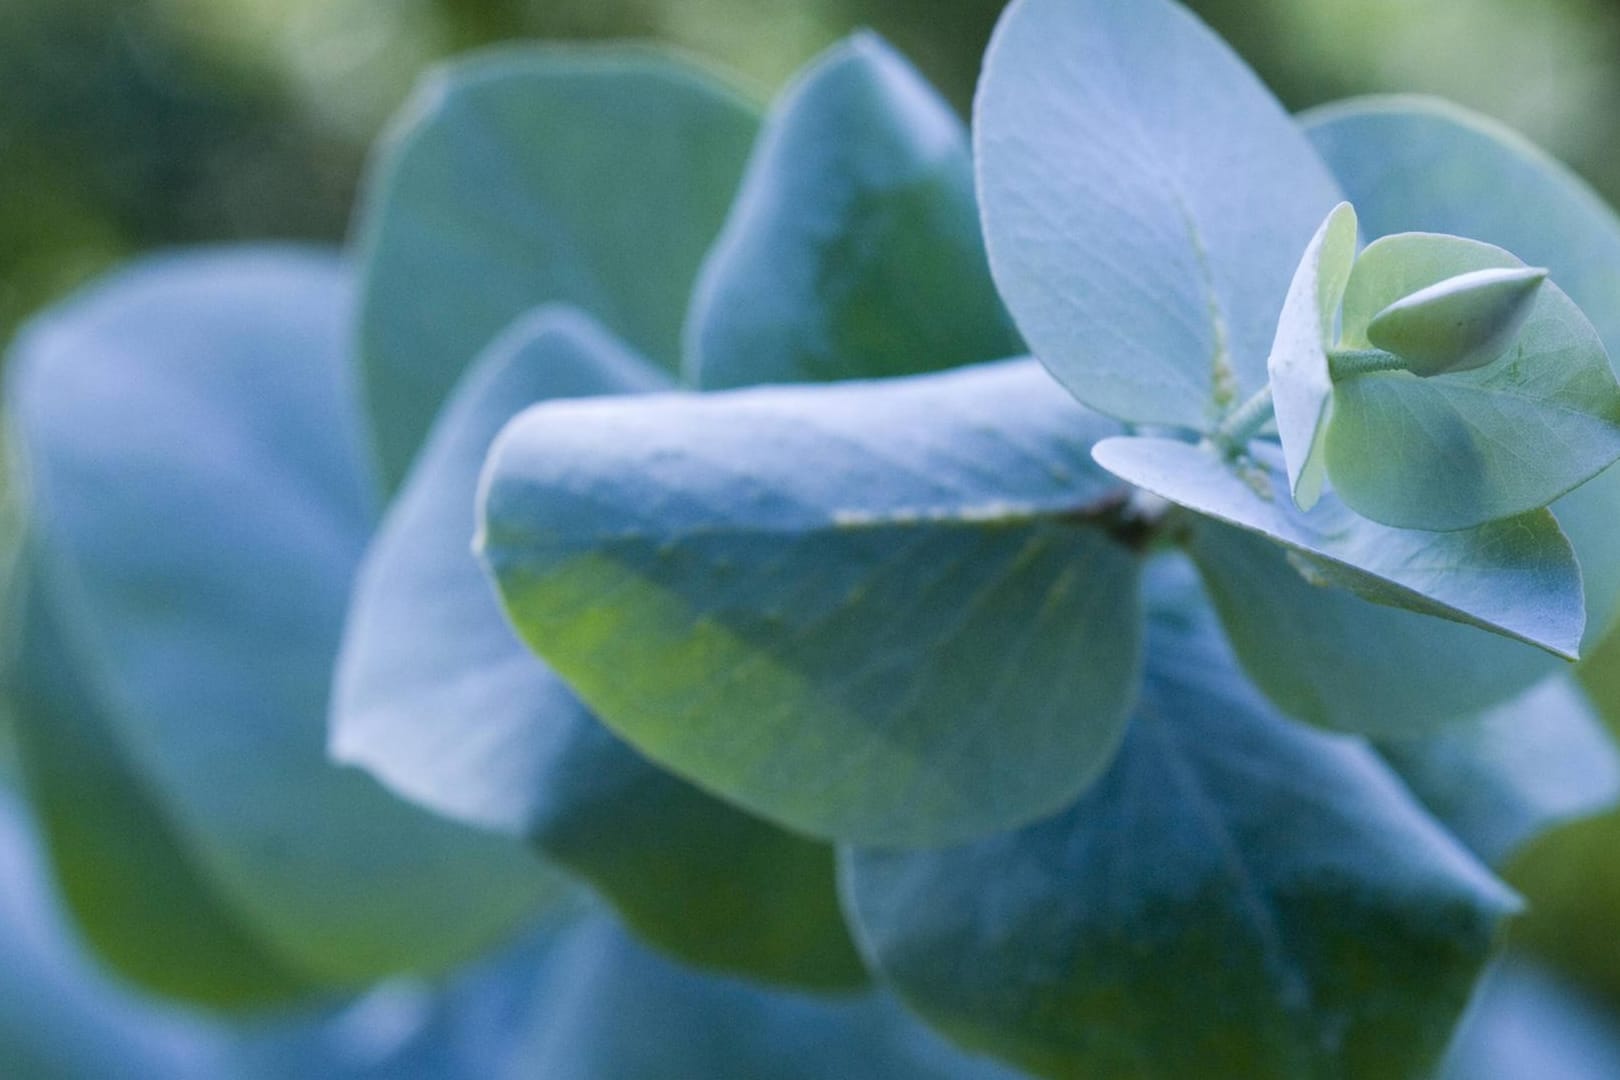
x: 132, y: 124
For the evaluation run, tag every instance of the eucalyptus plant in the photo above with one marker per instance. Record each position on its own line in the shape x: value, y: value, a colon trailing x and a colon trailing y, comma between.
x: 836, y: 595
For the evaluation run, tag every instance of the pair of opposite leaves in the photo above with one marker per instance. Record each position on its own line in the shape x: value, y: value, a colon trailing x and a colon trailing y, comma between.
x: 1417, y: 306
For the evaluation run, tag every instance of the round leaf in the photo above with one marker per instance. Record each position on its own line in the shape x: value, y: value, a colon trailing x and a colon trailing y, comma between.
x: 869, y: 611
x: 508, y: 182
x: 1145, y: 202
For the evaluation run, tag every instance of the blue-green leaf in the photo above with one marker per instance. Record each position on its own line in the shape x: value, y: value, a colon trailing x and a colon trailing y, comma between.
x: 1456, y: 450
x: 1145, y: 203
x: 1326, y: 656
x: 1301, y: 385
x: 1516, y: 577
x: 197, y: 507
x: 1412, y: 164
x: 853, y: 249
x: 1501, y: 778
x: 438, y: 698
x: 1238, y: 897
x: 875, y: 611
x: 593, y: 176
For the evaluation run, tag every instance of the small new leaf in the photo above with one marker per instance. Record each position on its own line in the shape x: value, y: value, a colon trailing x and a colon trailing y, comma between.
x: 1467, y: 446
x: 1458, y: 324
x: 1301, y: 384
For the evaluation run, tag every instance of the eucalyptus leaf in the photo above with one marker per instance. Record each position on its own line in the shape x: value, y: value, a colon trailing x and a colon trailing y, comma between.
x: 1458, y: 324
x: 875, y: 611
x: 1519, y: 769
x: 1329, y: 658
x: 1238, y: 897
x: 1417, y: 164
x: 507, y: 184
x: 1145, y: 201
x: 853, y: 249
x: 197, y: 507
x: 437, y: 697
x: 1516, y: 577
x: 1301, y: 384
x: 1457, y: 450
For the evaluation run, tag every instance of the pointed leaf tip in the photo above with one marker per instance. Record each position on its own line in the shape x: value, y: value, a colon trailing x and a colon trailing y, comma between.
x: 1461, y: 323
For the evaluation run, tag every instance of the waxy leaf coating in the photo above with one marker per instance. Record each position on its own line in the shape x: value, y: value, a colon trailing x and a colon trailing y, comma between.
x: 438, y: 698
x: 1145, y: 202
x: 1237, y: 897
x: 1516, y: 577
x: 871, y: 611
x: 853, y: 249
x: 595, y: 176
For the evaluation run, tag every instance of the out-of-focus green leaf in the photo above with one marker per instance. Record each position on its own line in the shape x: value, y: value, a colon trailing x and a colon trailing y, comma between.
x: 853, y: 249
x: 1145, y: 203
x: 873, y: 611
x: 197, y: 504
x: 1326, y: 656
x: 1516, y: 577
x: 60, y: 1018
x: 1457, y: 450
x: 1237, y: 897
x: 1502, y: 778
x: 1420, y: 165
x: 1571, y: 874
x: 592, y: 176
x: 1301, y: 386
x: 438, y: 698
x: 139, y: 895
